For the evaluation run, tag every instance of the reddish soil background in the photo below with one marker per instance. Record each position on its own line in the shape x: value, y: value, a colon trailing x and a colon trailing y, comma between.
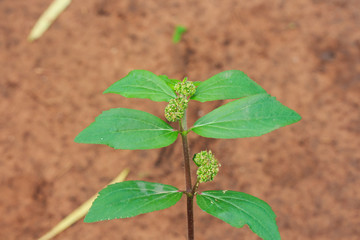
x: 307, y: 53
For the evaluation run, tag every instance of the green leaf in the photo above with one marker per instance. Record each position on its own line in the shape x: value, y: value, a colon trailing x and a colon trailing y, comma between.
x: 142, y: 84
x: 131, y: 198
x: 197, y: 83
x: 238, y: 209
x: 170, y: 82
x: 230, y: 84
x: 247, y: 117
x: 123, y: 128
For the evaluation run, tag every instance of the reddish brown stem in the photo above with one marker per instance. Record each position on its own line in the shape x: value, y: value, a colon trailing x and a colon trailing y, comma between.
x: 189, y: 190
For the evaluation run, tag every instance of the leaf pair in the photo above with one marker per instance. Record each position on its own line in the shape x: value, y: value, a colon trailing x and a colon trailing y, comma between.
x: 230, y: 84
x: 131, y: 198
x: 254, y: 114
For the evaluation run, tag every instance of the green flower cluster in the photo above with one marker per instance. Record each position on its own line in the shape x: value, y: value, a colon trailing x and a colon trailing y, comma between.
x: 208, y: 166
x: 175, y: 110
x: 185, y: 88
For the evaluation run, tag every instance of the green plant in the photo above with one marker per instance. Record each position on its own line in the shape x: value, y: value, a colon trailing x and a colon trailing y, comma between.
x: 254, y: 113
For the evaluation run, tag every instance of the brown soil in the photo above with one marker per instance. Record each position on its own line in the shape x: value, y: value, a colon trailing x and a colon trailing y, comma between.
x: 307, y: 53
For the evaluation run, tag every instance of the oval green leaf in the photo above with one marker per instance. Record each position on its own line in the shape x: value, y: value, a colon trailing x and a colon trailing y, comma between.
x: 131, y: 198
x: 230, y: 84
x: 123, y: 128
x: 142, y: 84
x: 238, y: 209
x: 247, y: 117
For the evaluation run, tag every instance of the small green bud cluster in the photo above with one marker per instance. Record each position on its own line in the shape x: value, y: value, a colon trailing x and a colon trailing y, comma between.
x: 208, y: 166
x: 175, y: 110
x: 185, y: 88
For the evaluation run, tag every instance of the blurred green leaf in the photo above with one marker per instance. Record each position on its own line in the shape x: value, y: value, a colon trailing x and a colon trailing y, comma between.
x: 247, y: 117
x: 230, y: 84
x: 178, y: 32
x: 197, y: 83
x: 238, y: 209
x: 143, y: 84
x: 131, y: 198
x: 123, y: 128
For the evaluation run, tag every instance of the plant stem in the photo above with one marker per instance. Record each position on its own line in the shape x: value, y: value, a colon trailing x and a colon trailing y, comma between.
x: 189, y: 190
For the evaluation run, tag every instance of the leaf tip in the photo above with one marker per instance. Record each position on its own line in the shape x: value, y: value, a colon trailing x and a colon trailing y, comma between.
x: 297, y: 117
x: 77, y: 139
x: 109, y: 89
x: 89, y: 218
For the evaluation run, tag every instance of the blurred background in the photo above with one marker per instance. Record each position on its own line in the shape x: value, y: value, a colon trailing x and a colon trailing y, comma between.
x: 306, y: 53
